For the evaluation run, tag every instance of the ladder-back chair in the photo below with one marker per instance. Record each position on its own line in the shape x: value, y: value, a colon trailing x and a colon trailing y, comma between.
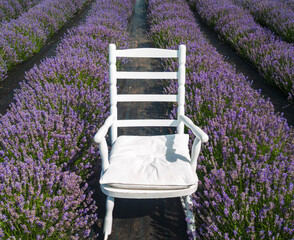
x: 141, y: 167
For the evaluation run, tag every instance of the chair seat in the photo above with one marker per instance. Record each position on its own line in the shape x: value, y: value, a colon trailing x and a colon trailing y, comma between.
x: 150, y: 162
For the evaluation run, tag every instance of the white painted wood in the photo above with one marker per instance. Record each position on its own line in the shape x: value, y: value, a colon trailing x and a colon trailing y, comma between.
x: 100, y: 135
x: 189, y: 214
x: 148, y: 123
x: 187, y: 205
x: 145, y: 193
x: 113, y: 90
x: 146, y: 75
x: 108, y: 217
x: 103, y: 149
x: 100, y: 138
x: 146, y: 98
x: 195, y: 153
x: 147, y: 53
x: 198, y: 132
x: 181, y: 84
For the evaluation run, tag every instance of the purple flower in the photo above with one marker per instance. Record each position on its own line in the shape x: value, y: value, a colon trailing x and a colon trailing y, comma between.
x: 274, y: 14
x: 24, y: 36
x: 242, y: 169
x: 46, y: 137
x: 36, y: 214
x: 273, y: 57
x: 13, y: 8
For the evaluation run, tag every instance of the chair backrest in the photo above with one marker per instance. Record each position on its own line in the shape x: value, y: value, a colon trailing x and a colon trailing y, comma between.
x: 147, y: 53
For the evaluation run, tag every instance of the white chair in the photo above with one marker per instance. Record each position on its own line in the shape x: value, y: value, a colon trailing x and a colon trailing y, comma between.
x: 148, y: 166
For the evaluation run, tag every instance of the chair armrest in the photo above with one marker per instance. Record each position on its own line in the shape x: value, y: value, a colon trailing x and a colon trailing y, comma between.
x: 198, y: 132
x: 100, y: 135
x: 200, y: 137
x: 100, y: 138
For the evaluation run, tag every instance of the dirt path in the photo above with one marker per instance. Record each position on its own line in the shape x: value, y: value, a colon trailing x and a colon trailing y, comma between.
x: 138, y: 39
x: 15, y: 76
x: 242, y: 66
x: 146, y: 219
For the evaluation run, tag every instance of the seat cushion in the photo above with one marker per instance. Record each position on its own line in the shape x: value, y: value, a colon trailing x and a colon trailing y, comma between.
x: 150, y: 162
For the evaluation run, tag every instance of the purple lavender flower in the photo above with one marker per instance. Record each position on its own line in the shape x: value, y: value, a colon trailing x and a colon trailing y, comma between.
x: 46, y: 143
x: 32, y: 215
x: 13, y: 8
x: 273, y: 57
x: 24, y: 36
x: 274, y: 14
x: 244, y: 167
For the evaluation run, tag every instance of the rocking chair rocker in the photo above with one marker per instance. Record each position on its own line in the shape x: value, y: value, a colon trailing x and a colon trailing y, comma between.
x: 143, y: 167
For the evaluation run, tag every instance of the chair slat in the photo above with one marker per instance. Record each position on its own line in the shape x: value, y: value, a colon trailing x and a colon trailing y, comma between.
x: 146, y: 98
x: 148, y: 123
x: 146, y: 75
x: 147, y: 53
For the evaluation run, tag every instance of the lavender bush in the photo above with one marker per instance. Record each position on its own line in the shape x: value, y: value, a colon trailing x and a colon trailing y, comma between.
x: 274, y: 14
x: 50, y: 127
x: 246, y: 169
x: 39, y: 201
x: 57, y: 127
x: 271, y: 56
x: 10, y: 9
x: 22, y: 37
x: 289, y: 3
x: 67, y: 95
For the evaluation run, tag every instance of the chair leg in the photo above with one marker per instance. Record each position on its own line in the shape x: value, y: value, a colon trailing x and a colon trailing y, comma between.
x: 108, y: 217
x: 187, y: 205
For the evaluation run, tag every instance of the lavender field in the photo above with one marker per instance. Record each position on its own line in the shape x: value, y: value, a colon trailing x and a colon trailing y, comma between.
x: 13, y: 8
x: 275, y: 15
x: 273, y: 57
x: 47, y: 153
x: 24, y: 36
x: 246, y: 169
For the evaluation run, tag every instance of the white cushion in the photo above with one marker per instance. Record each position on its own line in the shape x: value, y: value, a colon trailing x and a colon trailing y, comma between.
x: 150, y: 162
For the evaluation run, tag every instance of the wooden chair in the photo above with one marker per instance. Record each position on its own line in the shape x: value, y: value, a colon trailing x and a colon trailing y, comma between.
x: 148, y: 166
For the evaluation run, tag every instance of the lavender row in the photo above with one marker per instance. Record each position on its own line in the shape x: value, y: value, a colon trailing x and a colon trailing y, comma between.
x: 10, y: 9
x: 273, y: 57
x: 274, y: 14
x: 289, y: 3
x: 46, y: 138
x: 39, y: 201
x: 246, y: 169
x: 22, y: 37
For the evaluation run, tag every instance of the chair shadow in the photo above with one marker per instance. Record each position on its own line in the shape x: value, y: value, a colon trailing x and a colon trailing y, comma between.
x: 171, y: 151
x: 168, y: 220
